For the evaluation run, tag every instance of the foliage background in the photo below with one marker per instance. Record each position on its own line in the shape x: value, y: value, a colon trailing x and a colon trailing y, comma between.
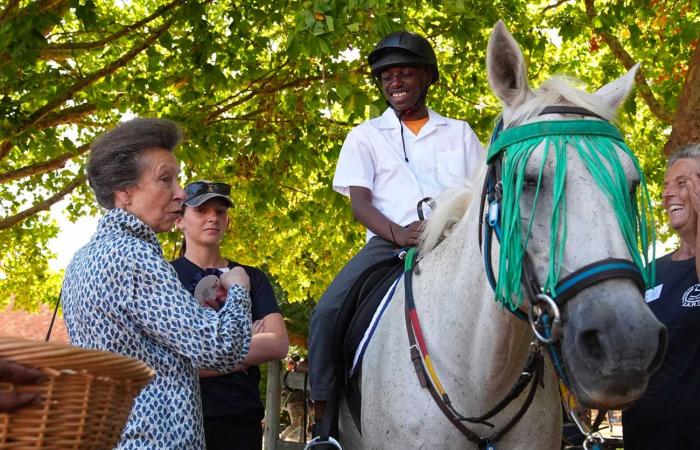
x: 266, y: 92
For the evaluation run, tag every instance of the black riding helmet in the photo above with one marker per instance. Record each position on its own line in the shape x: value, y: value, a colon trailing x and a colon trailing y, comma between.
x: 403, y: 48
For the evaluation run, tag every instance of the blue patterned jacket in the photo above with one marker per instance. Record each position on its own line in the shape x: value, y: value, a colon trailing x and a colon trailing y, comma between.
x: 121, y: 295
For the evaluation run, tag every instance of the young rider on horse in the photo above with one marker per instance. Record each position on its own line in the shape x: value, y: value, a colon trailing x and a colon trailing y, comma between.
x: 386, y: 166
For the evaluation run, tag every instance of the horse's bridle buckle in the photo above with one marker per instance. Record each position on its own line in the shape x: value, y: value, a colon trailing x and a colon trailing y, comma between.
x: 541, y: 309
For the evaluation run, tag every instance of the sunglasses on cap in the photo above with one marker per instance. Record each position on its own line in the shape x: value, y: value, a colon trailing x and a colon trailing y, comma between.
x: 204, y: 187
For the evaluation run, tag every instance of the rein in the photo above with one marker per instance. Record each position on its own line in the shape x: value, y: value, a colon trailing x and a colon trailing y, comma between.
x: 543, y: 314
x: 531, y: 374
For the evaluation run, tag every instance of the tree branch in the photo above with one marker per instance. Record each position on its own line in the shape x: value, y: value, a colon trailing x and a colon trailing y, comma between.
x: 299, y: 82
x: 266, y: 77
x: 340, y: 122
x: 66, y: 115
x: 685, y: 124
x: 553, y: 6
x: 621, y: 54
x: 453, y: 92
x: 247, y: 116
x: 294, y: 189
x: 56, y: 7
x: 42, y: 112
x: 11, y: 5
x: 5, y: 148
x: 62, y: 48
x: 43, y: 167
x: 43, y: 205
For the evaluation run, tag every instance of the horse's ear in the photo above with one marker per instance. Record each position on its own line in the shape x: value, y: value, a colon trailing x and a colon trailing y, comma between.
x: 506, y: 68
x: 615, y: 92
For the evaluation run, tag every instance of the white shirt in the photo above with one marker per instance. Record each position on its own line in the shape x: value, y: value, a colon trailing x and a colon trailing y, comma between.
x: 444, y: 154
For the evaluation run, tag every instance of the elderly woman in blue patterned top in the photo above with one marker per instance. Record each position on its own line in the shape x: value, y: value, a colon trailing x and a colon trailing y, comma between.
x: 121, y: 295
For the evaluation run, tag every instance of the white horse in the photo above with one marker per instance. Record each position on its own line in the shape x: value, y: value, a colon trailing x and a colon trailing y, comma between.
x: 610, y: 342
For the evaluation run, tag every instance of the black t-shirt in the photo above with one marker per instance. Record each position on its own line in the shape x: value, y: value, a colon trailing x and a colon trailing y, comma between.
x: 673, y: 393
x: 233, y: 394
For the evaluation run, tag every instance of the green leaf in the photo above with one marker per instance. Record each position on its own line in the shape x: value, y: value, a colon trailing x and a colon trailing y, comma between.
x: 270, y: 111
x: 85, y: 11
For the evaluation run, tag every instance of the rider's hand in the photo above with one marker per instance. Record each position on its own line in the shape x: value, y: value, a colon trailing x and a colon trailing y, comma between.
x: 236, y: 276
x: 408, y: 236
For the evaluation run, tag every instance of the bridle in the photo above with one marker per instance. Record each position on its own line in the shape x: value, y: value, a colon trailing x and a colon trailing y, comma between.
x: 489, y: 225
x: 543, y: 313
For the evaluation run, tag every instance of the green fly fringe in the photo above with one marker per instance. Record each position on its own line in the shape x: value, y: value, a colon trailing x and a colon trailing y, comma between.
x: 599, y: 155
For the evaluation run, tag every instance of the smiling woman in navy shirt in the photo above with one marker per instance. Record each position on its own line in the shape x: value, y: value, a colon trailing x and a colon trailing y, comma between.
x: 664, y: 417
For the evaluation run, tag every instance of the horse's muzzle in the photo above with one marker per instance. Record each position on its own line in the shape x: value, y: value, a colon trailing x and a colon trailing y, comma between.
x: 611, y: 344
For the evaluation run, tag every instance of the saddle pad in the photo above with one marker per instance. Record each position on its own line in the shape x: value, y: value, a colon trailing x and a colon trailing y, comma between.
x: 357, y: 310
x: 360, y: 351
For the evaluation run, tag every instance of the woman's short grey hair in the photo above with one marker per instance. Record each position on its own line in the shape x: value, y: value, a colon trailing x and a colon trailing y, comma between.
x: 691, y: 151
x: 115, y: 156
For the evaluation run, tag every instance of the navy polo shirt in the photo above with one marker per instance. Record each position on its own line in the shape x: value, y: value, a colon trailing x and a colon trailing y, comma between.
x: 673, y: 394
x: 236, y: 394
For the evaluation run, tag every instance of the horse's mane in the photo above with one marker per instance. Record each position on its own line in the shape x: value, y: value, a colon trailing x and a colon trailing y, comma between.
x: 451, y: 207
x: 560, y: 90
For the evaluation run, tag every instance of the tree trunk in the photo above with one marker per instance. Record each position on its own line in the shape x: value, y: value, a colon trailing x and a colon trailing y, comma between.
x: 686, y: 123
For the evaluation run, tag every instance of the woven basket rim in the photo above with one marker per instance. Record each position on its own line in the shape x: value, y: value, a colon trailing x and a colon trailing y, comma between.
x: 51, y: 355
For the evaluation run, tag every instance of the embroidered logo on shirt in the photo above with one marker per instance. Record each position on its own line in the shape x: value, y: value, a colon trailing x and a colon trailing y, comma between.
x: 691, y: 298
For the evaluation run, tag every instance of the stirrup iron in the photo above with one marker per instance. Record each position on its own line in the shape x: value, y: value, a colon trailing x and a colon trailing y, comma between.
x: 316, y: 442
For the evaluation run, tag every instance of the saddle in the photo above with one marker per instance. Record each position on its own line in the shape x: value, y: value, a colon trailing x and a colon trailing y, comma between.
x: 352, y: 321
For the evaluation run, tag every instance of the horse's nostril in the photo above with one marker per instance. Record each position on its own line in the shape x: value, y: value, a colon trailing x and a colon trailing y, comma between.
x: 660, y: 351
x: 591, y: 345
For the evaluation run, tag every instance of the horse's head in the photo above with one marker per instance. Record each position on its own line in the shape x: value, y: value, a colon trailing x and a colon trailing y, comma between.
x: 574, y: 202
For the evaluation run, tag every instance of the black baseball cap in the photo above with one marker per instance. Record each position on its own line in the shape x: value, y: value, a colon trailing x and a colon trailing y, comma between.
x: 199, y: 192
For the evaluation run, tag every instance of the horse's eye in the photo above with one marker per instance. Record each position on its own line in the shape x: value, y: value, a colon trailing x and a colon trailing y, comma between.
x: 633, y: 188
x: 530, y: 182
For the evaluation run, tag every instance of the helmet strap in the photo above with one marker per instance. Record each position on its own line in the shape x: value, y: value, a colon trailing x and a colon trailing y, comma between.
x: 416, y: 106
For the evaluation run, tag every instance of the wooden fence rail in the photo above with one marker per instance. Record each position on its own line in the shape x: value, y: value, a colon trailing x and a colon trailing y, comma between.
x: 271, y: 434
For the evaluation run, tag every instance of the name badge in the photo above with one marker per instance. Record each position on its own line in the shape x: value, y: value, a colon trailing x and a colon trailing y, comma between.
x: 653, y: 293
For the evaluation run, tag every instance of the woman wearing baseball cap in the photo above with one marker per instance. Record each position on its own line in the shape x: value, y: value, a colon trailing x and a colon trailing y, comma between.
x: 231, y: 403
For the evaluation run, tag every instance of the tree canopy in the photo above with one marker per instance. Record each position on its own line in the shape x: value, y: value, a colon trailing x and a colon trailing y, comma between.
x: 266, y: 92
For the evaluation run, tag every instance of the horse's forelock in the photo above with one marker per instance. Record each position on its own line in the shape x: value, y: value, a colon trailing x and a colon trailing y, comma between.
x: 451, y: 207
x: 560, y: 91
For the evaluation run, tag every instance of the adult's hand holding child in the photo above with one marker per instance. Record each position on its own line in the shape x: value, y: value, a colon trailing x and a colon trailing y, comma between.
x: 236, y: 276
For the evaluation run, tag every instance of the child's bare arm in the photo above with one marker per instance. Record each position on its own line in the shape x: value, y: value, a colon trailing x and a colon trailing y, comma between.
x: 378, y: 223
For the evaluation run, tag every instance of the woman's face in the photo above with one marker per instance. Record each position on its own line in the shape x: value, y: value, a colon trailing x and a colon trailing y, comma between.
x: 157, y: 197
x: 676, y: 196
x: 205, y: 224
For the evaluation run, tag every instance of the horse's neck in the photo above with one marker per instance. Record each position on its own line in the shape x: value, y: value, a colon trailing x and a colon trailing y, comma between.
x: 467, y: 327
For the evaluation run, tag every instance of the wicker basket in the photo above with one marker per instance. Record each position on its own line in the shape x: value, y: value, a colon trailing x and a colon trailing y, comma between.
x: 86, y: 399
